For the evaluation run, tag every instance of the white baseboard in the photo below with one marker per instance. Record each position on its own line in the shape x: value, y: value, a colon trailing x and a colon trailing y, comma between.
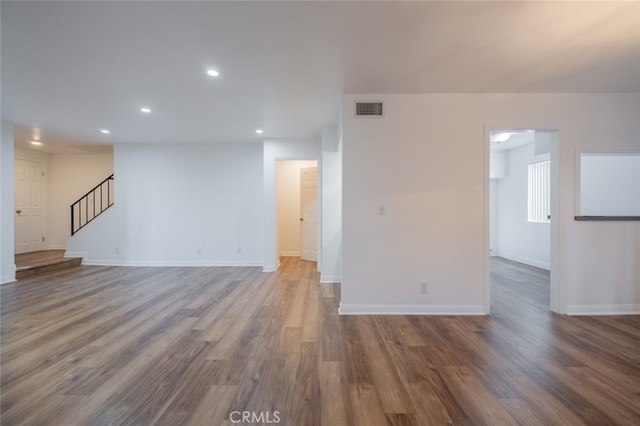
x: 526, y: 260
x: 411, y: 309
x: 623, y: 309
x: 160, y: 263
x: 82, y: 254
x: 290, y: 253
x: 330, y: 279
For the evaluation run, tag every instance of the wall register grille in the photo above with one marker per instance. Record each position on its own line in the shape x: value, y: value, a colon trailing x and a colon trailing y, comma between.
x: 368, y: 109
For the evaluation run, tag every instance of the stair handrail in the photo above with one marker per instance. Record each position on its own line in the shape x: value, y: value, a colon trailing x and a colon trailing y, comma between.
x: 75, y: 229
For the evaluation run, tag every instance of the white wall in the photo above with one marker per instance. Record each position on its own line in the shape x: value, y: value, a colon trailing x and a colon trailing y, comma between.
x: 331, y: 207
x: 275, y: 150
x: 288, y: 205
x: 425, y: 161
x: 494, y: 218
x: 519, y: 239
x: 497, y: 168
x: 72, y: 175
x: 173, y: 200
x: 180, y: 205
x: 7, y: 240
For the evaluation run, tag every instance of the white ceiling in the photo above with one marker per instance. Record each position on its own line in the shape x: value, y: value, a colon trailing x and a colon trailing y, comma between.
x: 53, y: 144
x: 72, y: 68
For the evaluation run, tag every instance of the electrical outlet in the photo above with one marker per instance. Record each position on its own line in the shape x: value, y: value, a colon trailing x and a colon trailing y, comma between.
x: 199, y: 252
x: 239, y: 250
x: 117, y: 250
x: 381, y: 210
x: 424, y: 287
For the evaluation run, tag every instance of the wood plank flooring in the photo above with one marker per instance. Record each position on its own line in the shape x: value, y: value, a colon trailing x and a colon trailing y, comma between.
x: 200, y: 346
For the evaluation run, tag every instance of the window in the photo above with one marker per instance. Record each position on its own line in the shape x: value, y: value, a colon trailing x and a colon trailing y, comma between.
x: 539, y: 206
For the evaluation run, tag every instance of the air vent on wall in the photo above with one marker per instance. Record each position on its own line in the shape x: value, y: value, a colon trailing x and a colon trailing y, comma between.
x: 368, y: 109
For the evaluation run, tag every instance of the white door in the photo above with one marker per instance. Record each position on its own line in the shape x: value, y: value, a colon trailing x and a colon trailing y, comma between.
x: 309, y: 213
x: 29, y: 200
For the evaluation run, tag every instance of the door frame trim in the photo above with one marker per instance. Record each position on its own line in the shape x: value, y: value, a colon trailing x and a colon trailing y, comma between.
x: 557, y: 288
x: 272, y: 225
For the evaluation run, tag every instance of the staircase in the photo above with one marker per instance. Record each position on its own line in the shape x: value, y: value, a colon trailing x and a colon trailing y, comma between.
x: 38, y: 263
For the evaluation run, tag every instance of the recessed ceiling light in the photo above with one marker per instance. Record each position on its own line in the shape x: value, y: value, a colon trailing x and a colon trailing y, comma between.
x: 259, y: 131
x: 499, y: 137
x: 105, y: 131
x: 36, y: 143
x: 145, y: 110
x: 212, y: 72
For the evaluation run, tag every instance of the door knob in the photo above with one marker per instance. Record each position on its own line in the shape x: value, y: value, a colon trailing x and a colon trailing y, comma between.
x: 301, y: 219
x: 18, y: 211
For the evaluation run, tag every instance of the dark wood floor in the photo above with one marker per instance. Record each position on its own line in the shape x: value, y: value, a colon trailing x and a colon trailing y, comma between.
x: 174, y: 346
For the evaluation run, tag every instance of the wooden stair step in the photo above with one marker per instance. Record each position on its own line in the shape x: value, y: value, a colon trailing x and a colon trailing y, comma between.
x: 48, y: 267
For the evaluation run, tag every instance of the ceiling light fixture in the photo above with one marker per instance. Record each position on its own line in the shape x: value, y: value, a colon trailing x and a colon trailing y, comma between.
x: 213, y: 73
x: 36, y: 143
x: 499, y: 137
x: 145, y: 110
x: 105, y: 131
x: 259, y: 131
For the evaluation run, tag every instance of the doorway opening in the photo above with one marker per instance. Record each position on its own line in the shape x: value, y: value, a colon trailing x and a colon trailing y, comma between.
x: 297, y: 209
x: 523, y: 235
